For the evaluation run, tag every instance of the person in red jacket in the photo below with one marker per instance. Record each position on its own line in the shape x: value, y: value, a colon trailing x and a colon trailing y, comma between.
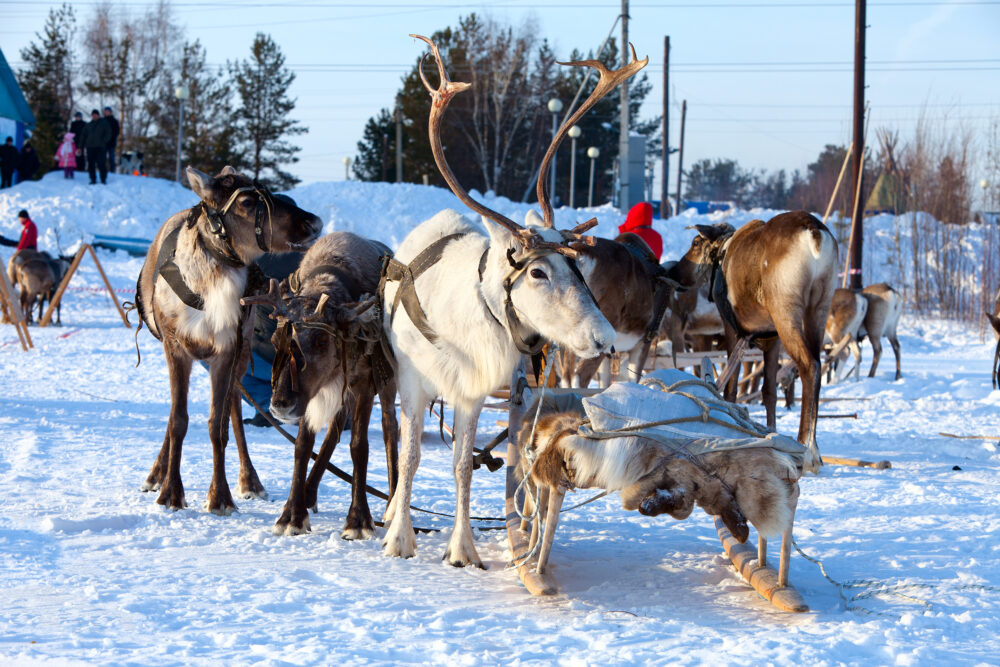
x: 29, y: 234
x: 640, y: 222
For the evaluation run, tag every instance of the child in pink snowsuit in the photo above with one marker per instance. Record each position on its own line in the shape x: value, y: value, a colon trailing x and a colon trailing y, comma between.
x: 66, y: 155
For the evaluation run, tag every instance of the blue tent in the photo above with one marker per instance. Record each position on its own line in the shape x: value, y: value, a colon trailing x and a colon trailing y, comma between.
x: 15, y: 114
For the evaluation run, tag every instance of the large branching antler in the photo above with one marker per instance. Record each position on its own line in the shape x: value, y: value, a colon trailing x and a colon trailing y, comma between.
x: 440, y: 97
x: 609, y: 80
x: 272, y: 299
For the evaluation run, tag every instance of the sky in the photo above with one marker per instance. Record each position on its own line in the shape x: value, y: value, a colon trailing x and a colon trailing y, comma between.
x: 767, y: 82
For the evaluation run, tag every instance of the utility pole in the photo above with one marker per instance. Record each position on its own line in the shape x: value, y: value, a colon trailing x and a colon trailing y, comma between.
x: 857, y: 156
x: 665, y: 159
x: 623, y: 195
x: 399, y: 141
x: 680, y: 155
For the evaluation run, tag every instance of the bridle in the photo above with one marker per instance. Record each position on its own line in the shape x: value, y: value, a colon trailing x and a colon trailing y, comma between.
x: 217, y: 223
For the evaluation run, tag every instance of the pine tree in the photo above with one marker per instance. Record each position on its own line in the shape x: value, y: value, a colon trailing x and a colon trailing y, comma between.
x: 376, y: 160
x: 47, y: 82
x: 209, y: 135
x: 262, y: 82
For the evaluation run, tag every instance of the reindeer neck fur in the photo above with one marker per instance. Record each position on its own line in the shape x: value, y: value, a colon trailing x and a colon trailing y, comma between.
x: 474, y: 353
x: 219, y: 285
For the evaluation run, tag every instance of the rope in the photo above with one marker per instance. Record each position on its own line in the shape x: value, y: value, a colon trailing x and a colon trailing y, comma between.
x: 873, y: 588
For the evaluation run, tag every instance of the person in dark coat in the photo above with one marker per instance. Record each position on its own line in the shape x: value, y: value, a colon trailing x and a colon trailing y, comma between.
x: 96, y: 140
x: 8, y: 162
x: 29, y: 234
x: 27, y: 162
x: 116, y: 129
x: 78, y: 127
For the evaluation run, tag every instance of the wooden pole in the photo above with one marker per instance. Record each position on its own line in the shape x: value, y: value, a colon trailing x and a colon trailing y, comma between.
x: 680, y: 156
x: 47, y: 318
x: 107, y: 284
x: 665, y: 151
x: 857, y: 226
x: 12, y: 307
x: 840, y: 177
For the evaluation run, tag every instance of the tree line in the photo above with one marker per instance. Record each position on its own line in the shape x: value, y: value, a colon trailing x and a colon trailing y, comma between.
x: 236, y: 114
x: 496, y: 133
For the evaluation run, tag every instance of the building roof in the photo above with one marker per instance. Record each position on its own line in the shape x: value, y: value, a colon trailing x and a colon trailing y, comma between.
x: 12, y: 102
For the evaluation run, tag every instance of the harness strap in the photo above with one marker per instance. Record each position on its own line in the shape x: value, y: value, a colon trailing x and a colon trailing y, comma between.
x: 720, y: 294
x: 171, y: 273
x: 406, y: 275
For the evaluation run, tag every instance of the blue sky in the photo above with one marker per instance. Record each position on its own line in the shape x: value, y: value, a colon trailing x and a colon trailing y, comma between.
x: 768, y: 83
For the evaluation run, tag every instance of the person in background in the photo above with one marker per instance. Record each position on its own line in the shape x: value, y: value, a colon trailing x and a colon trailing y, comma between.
x: 78, y: 127
x: 640, y: 222
x: 27, y: 162
x: 96, y: 140
x: 113, y: 142
x: 66, y: 155
x: 8, y: 162
x: 29, y: 234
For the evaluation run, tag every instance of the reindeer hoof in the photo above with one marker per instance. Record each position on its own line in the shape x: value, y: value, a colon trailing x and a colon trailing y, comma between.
x: 290, y: 528
x: 150, y: 485
x: 250, y: 487
x: 358, y: 533
x: 461, y: 553
x: 402, y: 544
x: 221, y: 511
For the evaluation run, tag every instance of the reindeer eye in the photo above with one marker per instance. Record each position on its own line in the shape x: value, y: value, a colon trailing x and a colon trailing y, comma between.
x: 538, y: 274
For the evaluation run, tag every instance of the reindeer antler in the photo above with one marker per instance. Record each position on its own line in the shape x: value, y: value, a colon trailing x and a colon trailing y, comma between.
x: 271, y: 298
x: 609, y: 80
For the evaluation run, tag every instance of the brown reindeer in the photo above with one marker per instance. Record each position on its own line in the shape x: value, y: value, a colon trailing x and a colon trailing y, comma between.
x: 626, y: 281
x: 844, y: 326
x: 188, y: 294
x: 771, y: 281
x: 32, y: 273
x: 884, y: 308
x: 330, y: 360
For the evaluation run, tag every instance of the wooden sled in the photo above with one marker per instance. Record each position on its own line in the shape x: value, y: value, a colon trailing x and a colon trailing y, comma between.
x: 752, y: 564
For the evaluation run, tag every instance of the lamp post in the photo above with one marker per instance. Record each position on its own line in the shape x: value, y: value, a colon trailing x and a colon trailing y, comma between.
x: 347, y: 166
x: 574, y: 133
x: 984, y: 184
x: 592, y: 153
x: 182, y: 93
x: 555, y: 106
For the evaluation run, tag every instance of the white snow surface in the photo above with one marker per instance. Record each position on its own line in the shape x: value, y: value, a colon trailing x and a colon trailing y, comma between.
x: 94, y: 572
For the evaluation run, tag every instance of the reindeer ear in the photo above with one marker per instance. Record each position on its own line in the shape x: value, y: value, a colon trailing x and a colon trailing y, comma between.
x: 200, y: 183
x: 532, y: 219
x: 227, y: 171
x: 500, y: 236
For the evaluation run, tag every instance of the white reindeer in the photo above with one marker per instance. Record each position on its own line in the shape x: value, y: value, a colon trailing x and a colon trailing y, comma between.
x: 476, y: 304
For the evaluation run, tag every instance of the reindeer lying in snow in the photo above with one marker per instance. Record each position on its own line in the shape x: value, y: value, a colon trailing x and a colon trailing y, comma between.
x: 844, y: 327
x: 667, y: 469
x: 188, y: 295
x: 461, y: 307
x: 329, y: 358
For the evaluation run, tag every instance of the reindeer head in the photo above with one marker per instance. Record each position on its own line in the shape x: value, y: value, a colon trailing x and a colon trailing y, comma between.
x: 319, y: 348
x: 695, y: 267
x: 544, y: 288
x: 247, y: 218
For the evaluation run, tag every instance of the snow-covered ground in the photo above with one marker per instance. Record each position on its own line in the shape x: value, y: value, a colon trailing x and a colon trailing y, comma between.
x: 93, y: 571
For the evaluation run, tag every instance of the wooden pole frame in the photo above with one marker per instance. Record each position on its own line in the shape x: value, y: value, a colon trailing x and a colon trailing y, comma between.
x: 12, y: 309
x: 57, y: 298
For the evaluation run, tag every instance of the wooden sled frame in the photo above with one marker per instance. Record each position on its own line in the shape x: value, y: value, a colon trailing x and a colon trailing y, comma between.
x: 57, y: 298
x: 11, y: 306
x: 752, y: 564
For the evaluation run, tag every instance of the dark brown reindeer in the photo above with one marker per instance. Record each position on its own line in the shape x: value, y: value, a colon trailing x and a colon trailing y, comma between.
x: 771, y: 281
x: 31, y: 271
x: 626, y: 281
x: 188, y: 294
x: 330, y: 360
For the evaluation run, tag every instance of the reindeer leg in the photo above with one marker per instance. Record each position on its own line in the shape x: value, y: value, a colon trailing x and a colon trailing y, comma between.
x: 556, y: 496
x: 333, y: 433
x: 399, y: 540
x: 461, y: 549
x: 876, y: 353
x: 804, y: 348
x: 770, y: 392
x: 294, y: 519
x: 219, y: 499
x: 390, y: 434
x: 249, y: 485
x: 159, y: 470
x: 179, y: 368
x: 359, y: 524
x: 856, y: 351
x: 895, y: 350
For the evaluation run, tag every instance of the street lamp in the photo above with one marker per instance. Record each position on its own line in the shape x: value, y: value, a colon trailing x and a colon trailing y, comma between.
x: 182, y: 93
x: 555, y: 106
x: 592, y: 153
x: 574, y: 132
x: 347, y: 166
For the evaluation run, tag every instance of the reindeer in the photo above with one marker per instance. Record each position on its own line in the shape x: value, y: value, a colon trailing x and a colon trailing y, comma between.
x: 844, y: 326
x: 329, y: 358
x: 771, y: 281
x: 471, y: 305
x: 32, y: 273
x: 884, y: 308
x: 630, y: 288
x: 188, y: 295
